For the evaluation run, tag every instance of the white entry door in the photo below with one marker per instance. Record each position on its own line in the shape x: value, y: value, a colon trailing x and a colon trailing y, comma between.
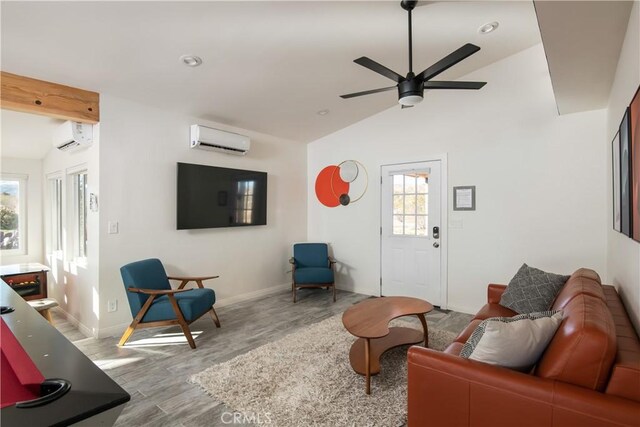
x: 410, y: 233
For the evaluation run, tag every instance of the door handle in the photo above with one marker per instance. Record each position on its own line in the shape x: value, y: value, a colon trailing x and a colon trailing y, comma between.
x: 436, y: 244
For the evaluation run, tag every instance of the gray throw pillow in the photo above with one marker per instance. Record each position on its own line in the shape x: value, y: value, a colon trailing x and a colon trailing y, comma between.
x: 532, y: 290
x: 512, y: 342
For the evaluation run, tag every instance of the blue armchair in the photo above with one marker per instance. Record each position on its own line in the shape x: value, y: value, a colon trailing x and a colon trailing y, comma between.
x: 312, y: 267
x: 154, y: 303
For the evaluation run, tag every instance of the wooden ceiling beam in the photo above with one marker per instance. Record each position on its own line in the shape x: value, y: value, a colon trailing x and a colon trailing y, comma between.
x: 29, y: 95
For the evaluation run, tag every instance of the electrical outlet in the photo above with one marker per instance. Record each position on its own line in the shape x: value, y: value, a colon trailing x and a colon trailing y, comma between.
x: 112, y: 227
x: 112, y: 305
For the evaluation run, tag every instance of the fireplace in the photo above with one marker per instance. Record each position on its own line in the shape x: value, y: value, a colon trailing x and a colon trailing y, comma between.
x: 28, y: 280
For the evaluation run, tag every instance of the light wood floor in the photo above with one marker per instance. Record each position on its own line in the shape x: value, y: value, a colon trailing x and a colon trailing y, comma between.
x: 155, y: 364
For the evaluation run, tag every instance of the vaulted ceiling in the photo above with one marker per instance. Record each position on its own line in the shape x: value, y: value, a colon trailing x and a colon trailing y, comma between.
x: 270, y: 66
x: 267, y: 66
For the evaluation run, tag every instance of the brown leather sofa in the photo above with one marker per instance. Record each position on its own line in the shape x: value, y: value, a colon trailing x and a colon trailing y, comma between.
x: 588, y: 376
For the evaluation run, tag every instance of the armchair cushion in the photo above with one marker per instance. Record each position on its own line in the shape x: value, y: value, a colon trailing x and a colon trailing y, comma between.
x: 192, y: 303
x: 145, y: 274
x: 312, y: 275
x: 311, y: 255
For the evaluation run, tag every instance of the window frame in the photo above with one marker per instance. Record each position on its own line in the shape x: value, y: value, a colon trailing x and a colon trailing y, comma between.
x: 77, y: 254
x: 55, y: 231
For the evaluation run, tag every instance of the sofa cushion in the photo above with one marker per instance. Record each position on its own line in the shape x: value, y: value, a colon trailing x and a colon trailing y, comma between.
x: 583, y: 349
x: 580, y: 282
x: 625, y: 374
x: 512, y: 342
x: 532, y: 290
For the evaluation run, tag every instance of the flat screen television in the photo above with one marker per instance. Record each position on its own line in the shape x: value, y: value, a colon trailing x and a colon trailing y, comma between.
x: 212, y: 197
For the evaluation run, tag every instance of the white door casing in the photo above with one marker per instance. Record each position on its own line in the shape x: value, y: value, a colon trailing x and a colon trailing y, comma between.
x: 411, y: 253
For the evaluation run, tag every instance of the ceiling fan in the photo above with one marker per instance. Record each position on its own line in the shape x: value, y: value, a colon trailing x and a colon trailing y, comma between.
x: 411, y: 88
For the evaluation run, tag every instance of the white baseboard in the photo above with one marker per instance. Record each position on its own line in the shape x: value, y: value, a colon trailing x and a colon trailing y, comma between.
x: 78, y: 324
x: 113, y: 331
x: 117, y: 330
x: 251, y: 295
x: 460, y: 309
x: 364, y: 290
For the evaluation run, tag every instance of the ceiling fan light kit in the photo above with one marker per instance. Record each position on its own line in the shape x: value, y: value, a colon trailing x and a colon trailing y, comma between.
x: 411, y: 88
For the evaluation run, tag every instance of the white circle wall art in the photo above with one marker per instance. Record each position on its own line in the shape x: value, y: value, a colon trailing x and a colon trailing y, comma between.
x: 348, y: 171
x: 355, y: 175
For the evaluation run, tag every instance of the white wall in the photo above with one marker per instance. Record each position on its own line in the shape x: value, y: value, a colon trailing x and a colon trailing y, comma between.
x: 540, y: 180
x: 72, y: 283
x: 623, y: 254
x: 139, y: 151
x: 33, y: 170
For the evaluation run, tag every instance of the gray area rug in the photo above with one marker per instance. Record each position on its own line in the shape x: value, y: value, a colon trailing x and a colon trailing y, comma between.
x: 305, y: 379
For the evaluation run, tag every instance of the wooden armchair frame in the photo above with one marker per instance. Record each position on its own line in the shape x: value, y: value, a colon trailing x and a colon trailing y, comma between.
x: 179, y: 320
x: 295, y: 286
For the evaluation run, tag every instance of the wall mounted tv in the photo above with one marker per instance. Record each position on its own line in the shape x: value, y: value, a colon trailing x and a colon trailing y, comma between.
x: 212, y: 197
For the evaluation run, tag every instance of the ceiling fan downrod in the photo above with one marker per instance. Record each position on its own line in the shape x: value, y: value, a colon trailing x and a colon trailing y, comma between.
x: 408, y: 6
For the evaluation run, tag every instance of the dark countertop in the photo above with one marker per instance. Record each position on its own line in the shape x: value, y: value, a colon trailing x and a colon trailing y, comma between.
x: 92, y: 391
x: 30, y: 267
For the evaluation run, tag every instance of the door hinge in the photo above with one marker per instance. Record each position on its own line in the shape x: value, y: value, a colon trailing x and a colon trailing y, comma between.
x: 381, y: 180
x: 381, y: 231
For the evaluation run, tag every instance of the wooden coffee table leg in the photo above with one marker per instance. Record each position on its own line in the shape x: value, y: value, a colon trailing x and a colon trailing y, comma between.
x: 424, y: 327
x: 367, y: 362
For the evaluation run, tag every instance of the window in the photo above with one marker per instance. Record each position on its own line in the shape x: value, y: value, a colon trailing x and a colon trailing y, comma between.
x: 411, y: 204
x: 80, y: 207
x: 55, y: 188
x: 13, y: 214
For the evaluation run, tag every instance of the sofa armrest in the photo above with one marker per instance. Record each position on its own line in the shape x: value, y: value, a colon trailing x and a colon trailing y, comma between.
x: 494, y: 293
x: 444, y: 389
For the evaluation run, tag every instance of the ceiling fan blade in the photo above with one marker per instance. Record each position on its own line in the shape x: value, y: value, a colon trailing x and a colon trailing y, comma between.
x: 448, y: 61
x: 367, y: 92
x: 379, y: 68
x: 454, y: 85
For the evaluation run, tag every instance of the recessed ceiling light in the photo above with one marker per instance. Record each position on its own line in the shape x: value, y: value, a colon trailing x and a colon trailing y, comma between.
x: 191, y: 60
x: 323, y: 112
x: 487, y: 28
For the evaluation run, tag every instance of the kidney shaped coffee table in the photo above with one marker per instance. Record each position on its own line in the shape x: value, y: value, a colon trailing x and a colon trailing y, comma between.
x: 369, y: 321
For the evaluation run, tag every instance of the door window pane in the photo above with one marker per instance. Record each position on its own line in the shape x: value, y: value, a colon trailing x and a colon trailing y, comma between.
x: 398, y: 184
x: 410, y: 204
x: 422, y: 186
x: 409, y: 184
x: 421, y: 204
x: 398, y: 204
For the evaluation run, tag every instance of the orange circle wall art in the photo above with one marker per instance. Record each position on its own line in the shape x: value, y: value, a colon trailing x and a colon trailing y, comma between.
x: 329, y: 186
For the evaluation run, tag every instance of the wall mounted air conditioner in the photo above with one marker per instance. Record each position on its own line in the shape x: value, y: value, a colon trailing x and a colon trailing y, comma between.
x: 218, y: 140
x: 71, y: 136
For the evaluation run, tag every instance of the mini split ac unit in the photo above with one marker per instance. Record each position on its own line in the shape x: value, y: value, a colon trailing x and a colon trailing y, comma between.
x: 71, y: 136
x: 217, y: 140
